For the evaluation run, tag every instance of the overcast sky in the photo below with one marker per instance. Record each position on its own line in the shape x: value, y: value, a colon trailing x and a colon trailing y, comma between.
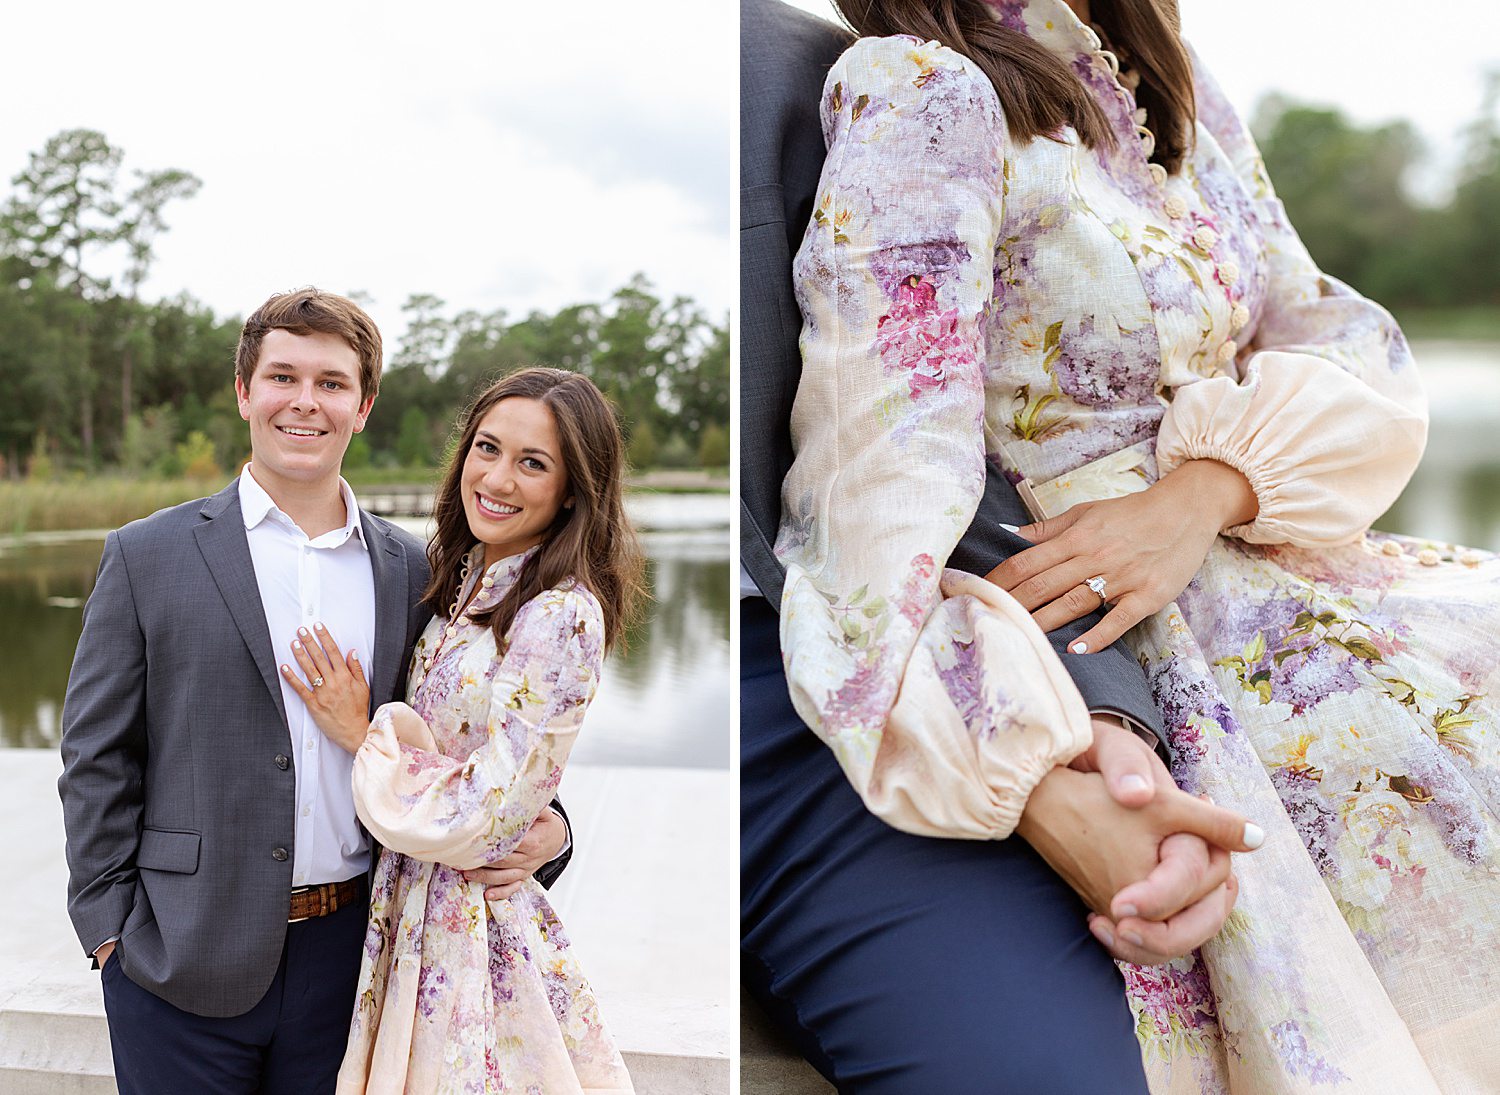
x: 1376, y: 59
x: 516, y: 155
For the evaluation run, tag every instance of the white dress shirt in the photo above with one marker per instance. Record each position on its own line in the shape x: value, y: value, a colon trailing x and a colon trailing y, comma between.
x: 304, y: 581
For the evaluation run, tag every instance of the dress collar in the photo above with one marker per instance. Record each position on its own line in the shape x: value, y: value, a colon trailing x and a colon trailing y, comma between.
x: 495, y: 580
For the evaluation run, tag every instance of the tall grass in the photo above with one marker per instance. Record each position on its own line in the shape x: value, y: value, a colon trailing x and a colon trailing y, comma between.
x: 99, y: 502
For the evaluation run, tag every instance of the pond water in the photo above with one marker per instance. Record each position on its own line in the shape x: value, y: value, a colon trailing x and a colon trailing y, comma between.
x: 664, y: 701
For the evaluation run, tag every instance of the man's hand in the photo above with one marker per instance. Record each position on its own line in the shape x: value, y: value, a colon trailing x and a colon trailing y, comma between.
x: 1168, y: 857
x: 542, y: 844
x: 102, y: 954
x: 1131, y: 771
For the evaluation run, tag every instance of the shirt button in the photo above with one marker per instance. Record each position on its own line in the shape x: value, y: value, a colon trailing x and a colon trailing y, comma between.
x: 312, y: 743
x: 307, y: 811
x: 309, y: 613
x: 283, y: 761
x: 279, y: 855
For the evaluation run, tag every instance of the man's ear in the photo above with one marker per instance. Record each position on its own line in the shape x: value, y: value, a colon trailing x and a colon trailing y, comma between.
x: 364, y: 413
x: 242, y: 396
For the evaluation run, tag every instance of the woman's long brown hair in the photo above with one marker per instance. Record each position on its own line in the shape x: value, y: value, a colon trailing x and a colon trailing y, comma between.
x: 1037, y: 90
x: 591, y: 541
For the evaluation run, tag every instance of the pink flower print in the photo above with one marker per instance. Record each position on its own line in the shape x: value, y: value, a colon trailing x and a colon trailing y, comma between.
x: 920, y: 339
x: 916, y: 592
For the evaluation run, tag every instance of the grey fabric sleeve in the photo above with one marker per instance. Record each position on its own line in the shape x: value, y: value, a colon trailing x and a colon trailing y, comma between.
x: 104, y: 755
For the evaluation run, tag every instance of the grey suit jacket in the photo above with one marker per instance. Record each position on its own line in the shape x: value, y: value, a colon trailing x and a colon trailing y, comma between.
x: 178, y: 777
x: 784, y: 56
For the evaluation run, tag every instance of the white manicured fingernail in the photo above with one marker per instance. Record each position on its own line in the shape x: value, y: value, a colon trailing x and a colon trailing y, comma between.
x: 1010, y: 528
x: 1254, y: 836
x: 1133, y: 782
x: 354, y: 655
x: 296, y: 645
x: 1079, y: 648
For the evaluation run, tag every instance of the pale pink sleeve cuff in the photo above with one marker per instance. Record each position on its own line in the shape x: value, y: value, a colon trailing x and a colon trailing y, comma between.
x: 1325, y: 453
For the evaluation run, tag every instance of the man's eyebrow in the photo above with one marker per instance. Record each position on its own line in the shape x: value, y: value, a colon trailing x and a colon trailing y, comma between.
x: 287, y: 366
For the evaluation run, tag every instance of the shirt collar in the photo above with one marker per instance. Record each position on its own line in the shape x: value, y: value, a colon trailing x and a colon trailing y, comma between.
x: 256, y: 505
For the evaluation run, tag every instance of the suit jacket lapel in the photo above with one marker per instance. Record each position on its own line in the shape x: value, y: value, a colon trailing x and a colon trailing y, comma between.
x: 221, y: 539
x: 392, y: 610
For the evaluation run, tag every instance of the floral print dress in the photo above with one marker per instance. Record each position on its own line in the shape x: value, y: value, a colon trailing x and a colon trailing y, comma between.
x: 456, y: 994
x: 1086, y: 322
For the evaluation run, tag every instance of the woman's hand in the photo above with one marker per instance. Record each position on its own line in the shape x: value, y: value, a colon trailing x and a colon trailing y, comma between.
x: 1146, y: 546
x: 336, y: 692
x: 542, y: 844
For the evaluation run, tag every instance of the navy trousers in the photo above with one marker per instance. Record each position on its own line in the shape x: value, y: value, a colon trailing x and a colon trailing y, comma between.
x: 291, y: 1043
x: 902, y: 965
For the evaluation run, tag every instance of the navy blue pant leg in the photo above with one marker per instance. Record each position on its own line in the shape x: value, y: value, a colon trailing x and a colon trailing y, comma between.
x: 290, y: 1043
x: 903, y: 965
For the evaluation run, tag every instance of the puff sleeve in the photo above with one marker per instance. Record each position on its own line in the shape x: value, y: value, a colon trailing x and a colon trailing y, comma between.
x: 467, y: 812
x: 941, y: 699
x: 1328, y: 418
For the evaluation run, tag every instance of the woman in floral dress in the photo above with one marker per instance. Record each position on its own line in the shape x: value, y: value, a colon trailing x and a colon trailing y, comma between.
x: 1111, y: 306
x: 534, y: 571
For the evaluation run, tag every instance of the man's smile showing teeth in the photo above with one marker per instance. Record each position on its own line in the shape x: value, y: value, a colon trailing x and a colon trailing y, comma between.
x: 298, y: 432
x: 496, y: 509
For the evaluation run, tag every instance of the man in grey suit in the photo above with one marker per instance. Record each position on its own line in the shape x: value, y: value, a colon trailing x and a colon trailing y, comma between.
x: 898, y: 963
x: 217, y: 870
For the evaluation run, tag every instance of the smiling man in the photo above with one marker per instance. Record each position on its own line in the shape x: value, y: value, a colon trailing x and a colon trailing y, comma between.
x: 217, y: 869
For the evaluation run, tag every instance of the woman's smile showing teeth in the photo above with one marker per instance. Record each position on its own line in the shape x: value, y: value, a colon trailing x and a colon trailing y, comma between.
x: 495, y: 509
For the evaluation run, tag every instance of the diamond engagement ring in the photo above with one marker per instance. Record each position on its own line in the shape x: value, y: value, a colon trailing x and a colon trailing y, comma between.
x: 317, y: 682
x: 1096, y: 583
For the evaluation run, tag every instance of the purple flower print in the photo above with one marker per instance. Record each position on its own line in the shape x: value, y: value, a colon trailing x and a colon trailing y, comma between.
x: 1299, y: 1059
x: 1315, y: 819
x: 1102, y: 365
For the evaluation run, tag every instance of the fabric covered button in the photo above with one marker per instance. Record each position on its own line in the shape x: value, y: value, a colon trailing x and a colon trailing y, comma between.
x: 1229, y: 271
x: 1429, y: 558
x: 1227, y: 351
x: 1176, y: 208
x: 1158, y: 174
x: 1470, y: 559
x: 1205, y: 237
x: 426, y: 663
x: 1239, y: 317
x: 1391, y: 548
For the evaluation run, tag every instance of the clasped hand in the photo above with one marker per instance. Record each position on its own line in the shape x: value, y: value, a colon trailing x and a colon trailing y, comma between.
x: 1150, y: 861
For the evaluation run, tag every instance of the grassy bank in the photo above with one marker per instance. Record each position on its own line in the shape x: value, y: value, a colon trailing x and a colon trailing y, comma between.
x: 108, y: 501
x: 1465, y: 324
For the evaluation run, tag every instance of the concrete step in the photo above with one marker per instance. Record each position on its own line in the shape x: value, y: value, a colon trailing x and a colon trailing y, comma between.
x: 54, y: 1041
x: 768, y: 1063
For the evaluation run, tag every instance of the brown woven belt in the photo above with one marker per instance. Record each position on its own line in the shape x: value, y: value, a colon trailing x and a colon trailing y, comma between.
x: 311, y: 901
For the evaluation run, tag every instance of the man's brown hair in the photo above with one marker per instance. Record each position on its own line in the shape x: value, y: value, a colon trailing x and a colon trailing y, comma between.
x: 307, y: 311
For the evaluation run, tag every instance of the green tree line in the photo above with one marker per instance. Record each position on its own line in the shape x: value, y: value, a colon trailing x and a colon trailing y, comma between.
x: 94, y: 376
x: 1345, y: 188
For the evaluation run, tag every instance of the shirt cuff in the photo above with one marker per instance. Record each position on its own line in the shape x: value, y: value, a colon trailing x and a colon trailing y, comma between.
x: 1145, y: 733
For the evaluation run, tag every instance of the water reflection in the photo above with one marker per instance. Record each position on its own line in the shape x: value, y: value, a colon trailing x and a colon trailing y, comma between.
x: 664, y: 702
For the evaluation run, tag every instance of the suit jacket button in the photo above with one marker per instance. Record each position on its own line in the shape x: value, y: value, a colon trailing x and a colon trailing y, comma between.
x: 279, y: 855
x: 282, y: 762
